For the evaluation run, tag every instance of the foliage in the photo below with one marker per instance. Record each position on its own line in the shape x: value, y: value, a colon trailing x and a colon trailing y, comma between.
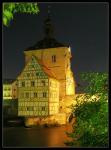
x: 9, y: 9
x: 97, y: 82
x: 91, y: 128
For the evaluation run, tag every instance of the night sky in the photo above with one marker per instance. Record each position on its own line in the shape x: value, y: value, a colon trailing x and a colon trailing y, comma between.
x: 83, y: 26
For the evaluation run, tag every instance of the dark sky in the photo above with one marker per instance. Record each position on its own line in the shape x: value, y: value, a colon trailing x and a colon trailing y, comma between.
x: 84, y: 26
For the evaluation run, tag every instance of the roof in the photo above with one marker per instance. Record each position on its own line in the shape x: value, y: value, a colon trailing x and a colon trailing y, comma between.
x: 46, y: 69
x: 8, y: 81
x: 46, y: 43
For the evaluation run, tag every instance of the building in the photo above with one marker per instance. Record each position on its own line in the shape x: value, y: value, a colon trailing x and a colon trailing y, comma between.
x: 14, y: 90
x: 38, y: 90
x: 7, y: 89
x: 46, y: 85
x: 10, y: 98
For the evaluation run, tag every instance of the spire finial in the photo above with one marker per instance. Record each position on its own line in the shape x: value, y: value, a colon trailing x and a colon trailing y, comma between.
x: 49, y: 10
x: 48, y: 25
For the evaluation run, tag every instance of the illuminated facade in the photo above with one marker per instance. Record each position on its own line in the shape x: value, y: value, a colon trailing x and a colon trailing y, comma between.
x: 10, y: 90
x: 38, y: 90
x: 46, y: 83
x: 10, y: 98
x: 7, y: 91
x: 14, y: 90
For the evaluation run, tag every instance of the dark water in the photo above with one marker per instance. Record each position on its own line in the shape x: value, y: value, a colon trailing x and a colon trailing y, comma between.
x: 35, y: 137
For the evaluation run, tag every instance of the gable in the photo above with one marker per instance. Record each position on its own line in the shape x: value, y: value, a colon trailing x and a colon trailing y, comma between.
x: 32, y: 70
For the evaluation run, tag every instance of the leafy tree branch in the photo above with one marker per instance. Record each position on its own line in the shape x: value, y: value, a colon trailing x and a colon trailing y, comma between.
x: 9, y: 9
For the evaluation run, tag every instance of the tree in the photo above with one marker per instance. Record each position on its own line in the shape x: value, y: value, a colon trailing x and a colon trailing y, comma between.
x: 91, y: 128
x: 9, y: 9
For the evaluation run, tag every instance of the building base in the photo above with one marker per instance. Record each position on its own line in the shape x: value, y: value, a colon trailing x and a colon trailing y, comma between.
x: 53, y: 120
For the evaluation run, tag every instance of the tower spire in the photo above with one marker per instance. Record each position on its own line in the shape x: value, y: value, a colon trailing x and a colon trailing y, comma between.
x: 49, y: 10
x: 48, y: 25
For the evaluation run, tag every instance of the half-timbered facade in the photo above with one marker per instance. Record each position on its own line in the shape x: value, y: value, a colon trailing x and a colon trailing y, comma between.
x: 46, y: 83
x: 35, y: 96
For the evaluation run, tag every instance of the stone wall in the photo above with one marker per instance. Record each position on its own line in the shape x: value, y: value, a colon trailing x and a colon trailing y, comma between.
x: 58, y: 119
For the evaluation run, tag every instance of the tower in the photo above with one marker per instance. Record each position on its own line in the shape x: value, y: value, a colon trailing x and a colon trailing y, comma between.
x: 46, y: 85
x: 56, y: 56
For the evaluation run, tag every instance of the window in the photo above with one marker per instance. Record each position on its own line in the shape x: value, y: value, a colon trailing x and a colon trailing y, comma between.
x: 32, y: 83
x: 29, y: 108
x: 43, y: 108
x: 27, y: 95
x: 35, y: 94
x: 37, y: 73
x: 43, y: 82
x: 54, y: 58
x: 23, y: 84
x: 44, y: 94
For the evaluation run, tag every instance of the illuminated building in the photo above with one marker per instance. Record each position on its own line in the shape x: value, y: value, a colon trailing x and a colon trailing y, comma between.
x: 10, y: 102
x: 10, y: 89
x: 38, y: 90
x: 46, y: 85
x: 14, y: 90
x: 7, y: 89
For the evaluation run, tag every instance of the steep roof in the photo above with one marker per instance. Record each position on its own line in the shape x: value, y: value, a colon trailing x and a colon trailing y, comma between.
x: 8, y: 81
x: 48, y: 41
x: 46, y: 69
